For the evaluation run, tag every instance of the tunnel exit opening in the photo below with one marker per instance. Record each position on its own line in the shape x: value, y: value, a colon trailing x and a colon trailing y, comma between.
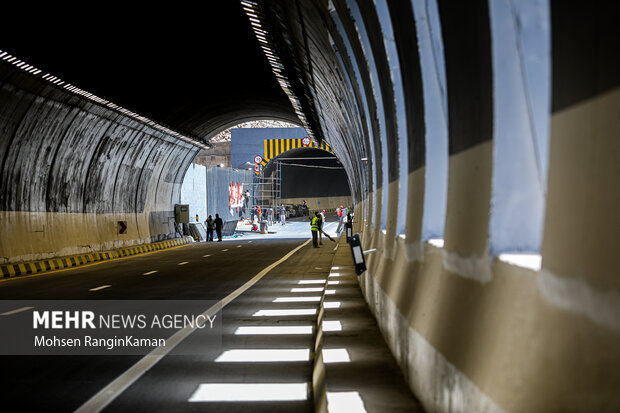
x: 275, y: 173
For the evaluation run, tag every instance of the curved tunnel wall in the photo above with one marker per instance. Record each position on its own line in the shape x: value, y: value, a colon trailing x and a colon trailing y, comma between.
x: 72, y: 169
x: 472, y: 332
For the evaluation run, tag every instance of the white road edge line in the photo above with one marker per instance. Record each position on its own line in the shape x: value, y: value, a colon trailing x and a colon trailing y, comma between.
x: 110, y: 392
x: 150, y: 272
x: 19, y: 310
x: 100, y: 288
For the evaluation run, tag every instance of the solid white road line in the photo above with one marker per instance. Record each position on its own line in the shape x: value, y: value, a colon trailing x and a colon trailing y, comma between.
x: 19, y: 310
x: 100, y: 288
x: 150, y: 272
x: 106, y: 395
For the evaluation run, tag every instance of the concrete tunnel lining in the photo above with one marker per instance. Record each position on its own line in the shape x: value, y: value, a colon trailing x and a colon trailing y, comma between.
x: 469, y: 332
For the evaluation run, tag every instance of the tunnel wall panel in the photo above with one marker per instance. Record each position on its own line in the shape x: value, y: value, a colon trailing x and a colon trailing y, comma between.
x: 71, y: 170
x: 470, y: 331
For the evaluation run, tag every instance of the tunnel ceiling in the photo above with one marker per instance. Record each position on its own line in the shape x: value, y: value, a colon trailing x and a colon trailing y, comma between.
x: 197, y: 71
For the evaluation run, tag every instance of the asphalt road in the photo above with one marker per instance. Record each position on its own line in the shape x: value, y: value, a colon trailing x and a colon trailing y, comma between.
x: 205, y: 271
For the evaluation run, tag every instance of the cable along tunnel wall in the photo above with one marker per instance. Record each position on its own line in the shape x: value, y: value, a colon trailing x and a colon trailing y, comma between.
x: 75, y: 173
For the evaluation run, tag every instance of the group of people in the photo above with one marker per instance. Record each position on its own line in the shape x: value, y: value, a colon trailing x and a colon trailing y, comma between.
x: 258, y: 214
x: 214, y: 224
x: 316, y: 224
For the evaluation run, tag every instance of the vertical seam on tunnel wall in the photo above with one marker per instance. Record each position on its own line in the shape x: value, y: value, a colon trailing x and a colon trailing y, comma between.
x: 111, y: 124
x: 12, y: 138
x: 135, y: 135
x: 146, y: 163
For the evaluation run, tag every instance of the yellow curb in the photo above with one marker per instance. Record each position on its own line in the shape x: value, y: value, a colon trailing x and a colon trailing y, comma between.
x: 70, y: 263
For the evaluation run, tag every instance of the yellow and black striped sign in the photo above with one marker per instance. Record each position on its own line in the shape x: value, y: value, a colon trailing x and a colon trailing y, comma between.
x: 275, y: 147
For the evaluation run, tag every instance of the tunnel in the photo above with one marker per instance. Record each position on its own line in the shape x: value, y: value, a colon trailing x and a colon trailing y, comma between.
x: 478, y: 144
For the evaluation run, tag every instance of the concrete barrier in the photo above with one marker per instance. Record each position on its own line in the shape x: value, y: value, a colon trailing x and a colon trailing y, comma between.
x: 35, y: 267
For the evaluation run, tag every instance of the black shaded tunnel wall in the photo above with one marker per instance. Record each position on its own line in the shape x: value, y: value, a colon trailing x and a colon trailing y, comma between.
x: 71, y: 170
x: 309, y: 182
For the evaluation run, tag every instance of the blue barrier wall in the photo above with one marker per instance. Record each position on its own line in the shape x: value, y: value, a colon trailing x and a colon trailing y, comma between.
x: 217, y: 183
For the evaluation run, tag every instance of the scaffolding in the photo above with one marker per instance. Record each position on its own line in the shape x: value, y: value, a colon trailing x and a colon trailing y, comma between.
x: 267, y: 191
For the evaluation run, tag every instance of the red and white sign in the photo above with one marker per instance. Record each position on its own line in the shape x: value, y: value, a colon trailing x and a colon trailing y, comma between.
x: 256, y: 168
x: 258, y: 159
x: 305, y: 141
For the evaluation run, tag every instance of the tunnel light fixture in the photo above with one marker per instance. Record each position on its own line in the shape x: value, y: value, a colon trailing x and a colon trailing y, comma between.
x: 436, y: 242
x: 306, y: 290
x: 331, y: 325
x: 272, y: 330
x: 287, y: 312
x: 313, y: 299
x: 530, y: 261
x: 24, y: 66
x: 246, y: 392
x: 264, y: 355
x: 254, y: 13
x: 345, y: 402
x: 335, y: 355
x: 331, y: 304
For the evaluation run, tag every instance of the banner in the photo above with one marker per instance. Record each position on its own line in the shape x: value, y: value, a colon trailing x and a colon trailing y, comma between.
x: 235, y: 196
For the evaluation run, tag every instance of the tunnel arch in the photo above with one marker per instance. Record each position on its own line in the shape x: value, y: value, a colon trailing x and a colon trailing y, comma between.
x: 312, y: 174
x: 275, y: 148
x: 451, y: 312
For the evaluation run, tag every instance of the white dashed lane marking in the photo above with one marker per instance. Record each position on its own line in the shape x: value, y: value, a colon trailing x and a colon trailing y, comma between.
x: 225, y: 249
x: 150, y: 272
x: 182, y: 263
x: 206, y: 255
x: 100, y: 288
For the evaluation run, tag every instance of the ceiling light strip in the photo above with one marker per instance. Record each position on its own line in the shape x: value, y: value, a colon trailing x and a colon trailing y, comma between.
x: 75, y: 90
x: 256, y: 19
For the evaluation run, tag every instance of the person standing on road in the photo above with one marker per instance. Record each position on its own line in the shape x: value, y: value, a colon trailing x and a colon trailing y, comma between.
x: 209, y: 225
x: 218, y: 226
x: 340, y: 213
x: 322, y: 216
x: 315, y: 227
x: 283, y: 215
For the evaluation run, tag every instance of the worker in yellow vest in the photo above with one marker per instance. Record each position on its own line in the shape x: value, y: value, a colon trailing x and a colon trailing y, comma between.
x: 315, y: 225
